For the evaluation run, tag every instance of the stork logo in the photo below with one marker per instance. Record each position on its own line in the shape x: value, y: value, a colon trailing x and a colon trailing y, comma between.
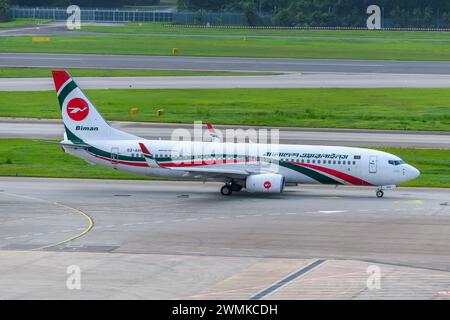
x: 267, y: 184
x: 77, y: 109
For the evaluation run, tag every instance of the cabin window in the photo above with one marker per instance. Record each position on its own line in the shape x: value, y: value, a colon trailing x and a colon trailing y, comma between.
x: 354, y: 162
x: 318, y: 161
x: 339, y: 162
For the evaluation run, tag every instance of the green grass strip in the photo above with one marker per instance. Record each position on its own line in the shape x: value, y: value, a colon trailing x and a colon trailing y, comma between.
x: 396, y: 108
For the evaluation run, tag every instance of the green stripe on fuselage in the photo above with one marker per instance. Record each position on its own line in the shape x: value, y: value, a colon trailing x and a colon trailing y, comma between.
x: 310, y: 173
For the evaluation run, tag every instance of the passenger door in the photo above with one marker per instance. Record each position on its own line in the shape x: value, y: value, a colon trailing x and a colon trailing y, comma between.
x: 373, y: 164
x: 114, y: 157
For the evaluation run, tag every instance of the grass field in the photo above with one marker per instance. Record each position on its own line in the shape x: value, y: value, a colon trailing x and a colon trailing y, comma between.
x: 406, y: 109
x: 20, y: 22
x: 42, y: 72
x: 163, y: 28
x: 219, y: 45
x: 19, y: 157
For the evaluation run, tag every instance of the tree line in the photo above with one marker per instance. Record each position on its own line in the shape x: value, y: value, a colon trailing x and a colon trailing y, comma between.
x: 5, y: 12
x: 329, y: 12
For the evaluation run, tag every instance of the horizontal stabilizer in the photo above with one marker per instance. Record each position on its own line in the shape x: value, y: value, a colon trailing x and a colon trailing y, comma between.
x: 65, y: 144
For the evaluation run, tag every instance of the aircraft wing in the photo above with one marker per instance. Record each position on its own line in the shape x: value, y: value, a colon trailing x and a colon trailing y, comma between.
x: 216, y: 172
x: 206, y: 172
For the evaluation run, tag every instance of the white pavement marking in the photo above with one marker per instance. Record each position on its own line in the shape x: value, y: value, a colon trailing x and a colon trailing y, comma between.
x: 332, y: 211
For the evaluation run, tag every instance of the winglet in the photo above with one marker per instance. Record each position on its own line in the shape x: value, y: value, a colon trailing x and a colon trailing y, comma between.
x: 148, y: 156
x: 212, y: 133
x: 145, y: 150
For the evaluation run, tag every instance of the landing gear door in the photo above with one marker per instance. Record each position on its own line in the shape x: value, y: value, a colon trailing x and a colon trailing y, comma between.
x: 114, y: 157
x: 373, y: 164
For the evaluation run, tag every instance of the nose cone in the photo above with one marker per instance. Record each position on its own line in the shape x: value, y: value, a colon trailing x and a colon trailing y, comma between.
x: 412, y: 172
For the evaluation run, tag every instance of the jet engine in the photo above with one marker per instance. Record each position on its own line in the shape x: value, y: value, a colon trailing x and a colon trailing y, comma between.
x: 266, y: 182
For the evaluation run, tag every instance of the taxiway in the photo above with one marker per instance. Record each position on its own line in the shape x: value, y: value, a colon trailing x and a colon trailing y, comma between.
x: 155, y: 239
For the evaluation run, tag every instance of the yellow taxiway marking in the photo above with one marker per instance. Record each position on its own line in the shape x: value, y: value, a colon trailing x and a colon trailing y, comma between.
x: 86, y: 230
x: 417, y: 201
x: 90, y: 224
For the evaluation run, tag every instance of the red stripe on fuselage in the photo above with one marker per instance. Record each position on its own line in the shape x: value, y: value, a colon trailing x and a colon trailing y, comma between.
x: 341, y: 175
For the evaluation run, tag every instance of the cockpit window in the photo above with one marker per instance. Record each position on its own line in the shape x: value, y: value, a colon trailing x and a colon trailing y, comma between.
x: 396, y: 162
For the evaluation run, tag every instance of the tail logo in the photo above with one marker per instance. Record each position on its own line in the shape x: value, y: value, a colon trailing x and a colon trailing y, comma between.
x: 77, y: 109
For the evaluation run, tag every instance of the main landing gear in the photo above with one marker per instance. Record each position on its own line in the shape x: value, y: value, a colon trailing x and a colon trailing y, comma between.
x: 380, y: 193
x: 229, y: 187
x: 226, y: 190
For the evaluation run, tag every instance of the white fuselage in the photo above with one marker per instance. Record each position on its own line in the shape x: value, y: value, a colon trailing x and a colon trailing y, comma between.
x: 297, y: 163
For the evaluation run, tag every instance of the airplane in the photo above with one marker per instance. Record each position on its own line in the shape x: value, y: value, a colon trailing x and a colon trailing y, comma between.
x: 268, y: 168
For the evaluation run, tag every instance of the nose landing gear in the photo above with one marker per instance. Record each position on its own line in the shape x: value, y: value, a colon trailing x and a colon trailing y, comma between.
x: 380, y: 193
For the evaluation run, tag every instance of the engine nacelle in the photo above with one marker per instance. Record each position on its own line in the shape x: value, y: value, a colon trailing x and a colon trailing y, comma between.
x: 266, y: 182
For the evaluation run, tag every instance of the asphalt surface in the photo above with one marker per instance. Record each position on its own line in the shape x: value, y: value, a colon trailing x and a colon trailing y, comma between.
x: 66, y: 61
x: 184, y: 240
x: 53, y: 129
x: 304, y: 80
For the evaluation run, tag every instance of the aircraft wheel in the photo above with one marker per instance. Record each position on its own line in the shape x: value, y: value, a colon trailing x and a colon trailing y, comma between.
x: 380, y: 194
x: 226, y: 190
